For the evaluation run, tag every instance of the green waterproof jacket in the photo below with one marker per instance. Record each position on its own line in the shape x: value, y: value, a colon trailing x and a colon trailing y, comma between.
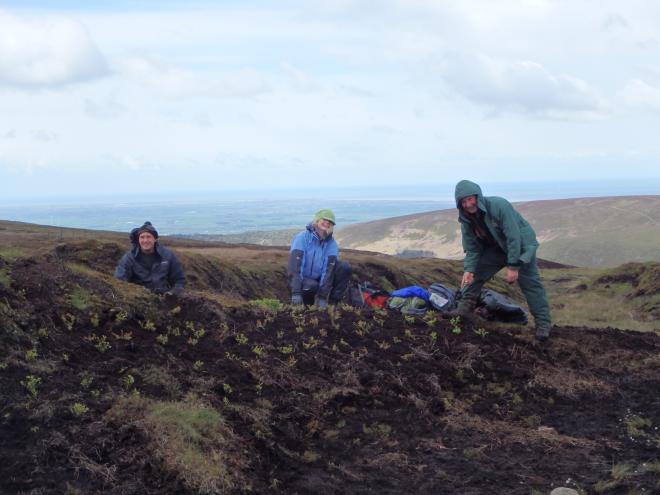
x: 510, y: 230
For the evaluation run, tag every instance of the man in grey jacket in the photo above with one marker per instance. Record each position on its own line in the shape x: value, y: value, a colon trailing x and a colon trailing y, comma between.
x: 149, y: 264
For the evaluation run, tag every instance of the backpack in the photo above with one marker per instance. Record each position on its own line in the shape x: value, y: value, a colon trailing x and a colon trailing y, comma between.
x: 495, y: 306
x: 408, y: 305
x: 442, y: 298
x: 372, y: 297
x: 411, y: 291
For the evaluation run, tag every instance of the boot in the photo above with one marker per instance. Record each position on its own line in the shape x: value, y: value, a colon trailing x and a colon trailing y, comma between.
x: 542, y: 333
x: 464, y: 310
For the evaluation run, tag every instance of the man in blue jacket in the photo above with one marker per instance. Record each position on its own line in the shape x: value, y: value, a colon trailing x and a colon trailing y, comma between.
x: 496, y: 236
x: 314, y: 268
x: 149, y: 264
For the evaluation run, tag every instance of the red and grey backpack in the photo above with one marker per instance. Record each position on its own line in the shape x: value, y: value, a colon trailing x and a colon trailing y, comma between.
x: 372, y: 297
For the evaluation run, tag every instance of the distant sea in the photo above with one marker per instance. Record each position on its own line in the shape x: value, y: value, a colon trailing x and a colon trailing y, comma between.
x: 238, y: 212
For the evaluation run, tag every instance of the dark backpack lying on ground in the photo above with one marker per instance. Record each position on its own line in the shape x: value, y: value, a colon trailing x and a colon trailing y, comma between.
x: 442, y: 298
x: 497, y: 307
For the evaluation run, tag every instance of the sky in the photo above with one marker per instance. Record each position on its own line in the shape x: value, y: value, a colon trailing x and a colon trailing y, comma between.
x: 146, y: 97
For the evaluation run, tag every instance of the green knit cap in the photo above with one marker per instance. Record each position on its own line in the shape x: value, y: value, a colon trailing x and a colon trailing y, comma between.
x: 326, y: 215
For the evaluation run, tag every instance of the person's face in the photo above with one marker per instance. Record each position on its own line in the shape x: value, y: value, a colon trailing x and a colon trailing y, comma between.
x: 469, y: 204
x: 147, y: 242
x: 325, y: 225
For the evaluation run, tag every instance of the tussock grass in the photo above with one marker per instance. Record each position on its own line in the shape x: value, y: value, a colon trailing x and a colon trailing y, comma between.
x: 11, y: 253
x: 635, y: 426
x: 273, y: 305
x: 80, y: 298
x: 620, y: 298
x: 190, y: 437
x: 5, y: 278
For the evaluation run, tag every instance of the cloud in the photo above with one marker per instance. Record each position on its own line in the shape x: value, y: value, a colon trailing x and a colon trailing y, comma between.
x: 616, y: 21
x: 638, y: 93
x: 44, y: 135
x: 103, y: 110
x: 175, y: 82
x: 302, y: 81
x: 520, y: 87
x: 46, y: 52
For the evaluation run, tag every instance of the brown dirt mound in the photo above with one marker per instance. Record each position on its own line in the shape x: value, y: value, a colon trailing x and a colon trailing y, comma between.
x: 109, y: 389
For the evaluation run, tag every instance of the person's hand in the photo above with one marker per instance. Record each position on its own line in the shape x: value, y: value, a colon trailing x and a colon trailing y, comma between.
x: 296, y: 299
x: 468, y: 278
x: 322, y: 303
x: 511, y: 275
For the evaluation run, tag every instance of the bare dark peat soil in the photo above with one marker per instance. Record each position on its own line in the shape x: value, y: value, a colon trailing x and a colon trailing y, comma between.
x: 347, y: 400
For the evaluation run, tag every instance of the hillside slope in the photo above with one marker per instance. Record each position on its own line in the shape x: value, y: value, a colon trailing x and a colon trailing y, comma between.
x: 107, y: 388
x: 589, y: 232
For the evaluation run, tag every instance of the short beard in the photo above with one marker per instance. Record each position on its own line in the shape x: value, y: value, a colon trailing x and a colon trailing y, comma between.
x: 323, y: 234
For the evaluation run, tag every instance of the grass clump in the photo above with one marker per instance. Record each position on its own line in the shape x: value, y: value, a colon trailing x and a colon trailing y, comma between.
x: 78, y: 409
x: 80, y: 299
x: 272, y: 305
x: 191, y: 438
x: 10, y: 253
x: 5, y: 278
x: 619, y: 473
x: 635, y: 426
x: 31, y: 384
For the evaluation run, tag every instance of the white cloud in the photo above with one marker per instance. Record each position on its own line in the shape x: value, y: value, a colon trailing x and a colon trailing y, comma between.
x: 46, y: 52
x: 302, y: 81
x: 44, y: 135
x: 176, y: 82
x: 520, y: 87
x: 616, y: 21
x: 105, y: 109
x: 298, y: 89
x: 638, y: 93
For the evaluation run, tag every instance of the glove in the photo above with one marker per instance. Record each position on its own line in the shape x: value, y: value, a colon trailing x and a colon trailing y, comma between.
x: 322, y: 303
x: 296, y: 299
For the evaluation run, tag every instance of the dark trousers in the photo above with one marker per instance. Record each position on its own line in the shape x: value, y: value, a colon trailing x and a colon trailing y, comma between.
x: 340, y: 280
x: 492, y: 261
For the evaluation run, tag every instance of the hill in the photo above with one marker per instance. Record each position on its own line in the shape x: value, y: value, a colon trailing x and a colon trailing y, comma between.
x: 588, y: 232
x: 107, y: 388
x: 280, y: 237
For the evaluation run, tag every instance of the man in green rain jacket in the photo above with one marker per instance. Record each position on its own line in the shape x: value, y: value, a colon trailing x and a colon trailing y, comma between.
x: 495, y: 236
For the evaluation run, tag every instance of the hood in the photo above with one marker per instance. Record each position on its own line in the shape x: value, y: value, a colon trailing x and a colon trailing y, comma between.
x: 310, y: 227
x: 467, y: 188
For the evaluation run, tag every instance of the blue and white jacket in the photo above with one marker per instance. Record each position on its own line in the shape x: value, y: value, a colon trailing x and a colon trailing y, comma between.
x: 312, y: 258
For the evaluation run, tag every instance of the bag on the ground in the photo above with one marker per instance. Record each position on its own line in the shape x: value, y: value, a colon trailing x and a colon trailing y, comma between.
x: 372, y: 297
x: 495, y: 306
x: 408, y: 305
x: 355, y: 296
x: 442, y: 298
x: 412, y: 291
